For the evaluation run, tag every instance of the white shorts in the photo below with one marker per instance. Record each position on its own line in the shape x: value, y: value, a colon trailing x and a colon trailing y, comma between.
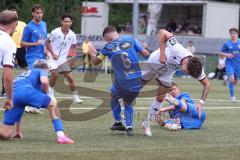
x: 56, y: 65
x: 158, y: 71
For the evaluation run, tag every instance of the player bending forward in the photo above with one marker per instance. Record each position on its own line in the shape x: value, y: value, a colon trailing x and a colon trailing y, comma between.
x: 30, y: 89
x: 183, y: 111
x: 162, y: 64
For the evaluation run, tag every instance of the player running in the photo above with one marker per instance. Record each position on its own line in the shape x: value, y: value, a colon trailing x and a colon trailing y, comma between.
x: 231, y: 50
x: 162, y: 65
x: 30, y: 88
x: 183, y: 111
x: 59, y: 43
x: 122, y: 51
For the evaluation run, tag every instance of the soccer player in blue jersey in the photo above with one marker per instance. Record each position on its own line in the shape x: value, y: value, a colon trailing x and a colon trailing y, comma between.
x: 231, y: 50
x: 30, y: 88
x: 183, y: 111
x: 123, y: 53
x: 34, y: 36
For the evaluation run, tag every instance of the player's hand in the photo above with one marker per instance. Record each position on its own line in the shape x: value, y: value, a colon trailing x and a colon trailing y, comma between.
x: 199, y: 108
x: 161, y: 111
x: 8, y: 104
x: 163, y: 58
x: 229, y: 55
x: 93, y: 51
x: 55, y: 56
x: 18, y: 135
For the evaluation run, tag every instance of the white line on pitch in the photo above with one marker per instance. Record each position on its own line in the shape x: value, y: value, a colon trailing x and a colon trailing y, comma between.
x: 140, y: 108
x: 148, y: 98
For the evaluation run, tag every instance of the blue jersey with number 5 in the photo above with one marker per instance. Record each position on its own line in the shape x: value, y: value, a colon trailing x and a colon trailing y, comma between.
x: 30, y: 78
x: 123, y: 54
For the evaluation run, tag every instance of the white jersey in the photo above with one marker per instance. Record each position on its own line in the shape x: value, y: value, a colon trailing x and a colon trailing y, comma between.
x: 7, y: 49
x: 61, y: 43
x: 175, y: 53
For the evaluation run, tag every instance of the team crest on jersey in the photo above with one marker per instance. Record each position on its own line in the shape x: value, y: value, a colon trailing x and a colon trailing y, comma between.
x: 125, y: 45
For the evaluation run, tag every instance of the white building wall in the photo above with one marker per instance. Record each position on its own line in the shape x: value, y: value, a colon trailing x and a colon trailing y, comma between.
x: 219, y: 18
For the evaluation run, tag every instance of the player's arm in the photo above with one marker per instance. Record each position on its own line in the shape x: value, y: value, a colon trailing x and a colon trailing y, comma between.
x: 94, y: 58
x: 224, y: 51
x: 73, y: 49
x: 164, y: 35
x: 49, y: 48
x: 8, y: 84
x: 206, y: 87
x: 25, y: 39
x: 44, y: 81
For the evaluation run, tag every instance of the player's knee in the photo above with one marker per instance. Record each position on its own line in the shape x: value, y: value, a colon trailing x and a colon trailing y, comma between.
x: 6, y: 134
x: 53, y: 102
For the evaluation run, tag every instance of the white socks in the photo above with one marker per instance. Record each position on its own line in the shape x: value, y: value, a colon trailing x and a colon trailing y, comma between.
x: 60, y: 133
x: 51, y: 91
x: 153, y: 110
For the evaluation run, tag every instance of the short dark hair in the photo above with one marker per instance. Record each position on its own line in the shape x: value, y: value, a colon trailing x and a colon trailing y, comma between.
x: 109, y: 29
x: 42, y: 64
x: 37, y: 6
x: 233, y: 30
x: 7, y: 17
x: 195, y: 67
x: 66, y: 16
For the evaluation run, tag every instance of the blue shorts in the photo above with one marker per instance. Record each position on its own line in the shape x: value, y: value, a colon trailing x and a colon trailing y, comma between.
x: 25, y: 96
x: 233, y: 70
x: 127, y: 95
x: 190, y: 119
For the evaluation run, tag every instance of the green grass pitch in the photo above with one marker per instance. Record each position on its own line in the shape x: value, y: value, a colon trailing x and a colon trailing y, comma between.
x: 219, y: 139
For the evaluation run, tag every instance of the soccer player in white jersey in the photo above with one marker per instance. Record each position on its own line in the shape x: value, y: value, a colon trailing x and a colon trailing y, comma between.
x: 59, y: 43
x: 8, y: 22
x: 162, y: 65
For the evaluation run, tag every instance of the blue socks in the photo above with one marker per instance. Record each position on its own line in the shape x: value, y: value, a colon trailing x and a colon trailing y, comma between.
x: 116, y: 109
x: 57, y: 124
x: 231, y: 88
x: 128, y: 114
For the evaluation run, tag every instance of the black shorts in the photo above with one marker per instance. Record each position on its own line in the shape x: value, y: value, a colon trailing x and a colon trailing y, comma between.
x: 20, y: 57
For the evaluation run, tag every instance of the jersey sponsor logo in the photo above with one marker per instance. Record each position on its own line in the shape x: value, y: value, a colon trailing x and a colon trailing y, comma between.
x: 125, y: 45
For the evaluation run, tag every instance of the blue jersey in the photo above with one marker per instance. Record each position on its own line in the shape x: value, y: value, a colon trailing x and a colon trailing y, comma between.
x: 30, y: 78
x: 27, y: 92
x: 233, y: 48
x: 32, y: 33
x: 123, y: 54
x: 190, y: 118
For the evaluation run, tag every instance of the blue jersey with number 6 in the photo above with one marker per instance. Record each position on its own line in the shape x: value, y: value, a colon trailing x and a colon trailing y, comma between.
x: 123, y: 54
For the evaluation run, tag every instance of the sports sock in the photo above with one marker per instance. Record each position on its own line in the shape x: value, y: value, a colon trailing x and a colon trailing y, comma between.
x: 75, y: 93
x: 116, y: 109
x: 128, y: 114
x: 231, y: 88
x: 153, y: 110
x: 58, y: 127
x: 51, y: 91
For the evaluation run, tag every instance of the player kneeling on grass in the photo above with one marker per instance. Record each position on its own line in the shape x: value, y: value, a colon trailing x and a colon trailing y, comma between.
x: 183, y: 111
x: 30, y: 89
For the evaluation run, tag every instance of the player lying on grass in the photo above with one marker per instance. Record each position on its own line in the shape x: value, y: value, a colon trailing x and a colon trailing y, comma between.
x: 162, y: 64
x: 183, y: 111
x: 30, y: 89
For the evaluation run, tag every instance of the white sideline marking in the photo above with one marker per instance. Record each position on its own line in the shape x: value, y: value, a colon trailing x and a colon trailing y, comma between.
x: 149, y: 98
x: 139, y: 108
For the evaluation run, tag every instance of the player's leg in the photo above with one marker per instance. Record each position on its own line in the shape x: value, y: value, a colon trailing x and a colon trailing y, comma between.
x: 231, y: 83
x: 116, y: 110
x: 39, y: 99
x: 66, y: 71
x: 128, y: 101
x: 52, y: 81
x: 11, y: 117
x: 163, y: 88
